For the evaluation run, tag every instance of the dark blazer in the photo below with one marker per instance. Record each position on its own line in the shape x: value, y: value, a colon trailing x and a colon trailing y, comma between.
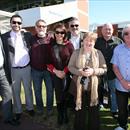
x: 81, y: 37
x: 7, y: 65
x: 9, y: 49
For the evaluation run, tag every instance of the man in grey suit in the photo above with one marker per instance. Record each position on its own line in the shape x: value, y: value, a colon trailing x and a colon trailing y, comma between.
x: 19, y: 44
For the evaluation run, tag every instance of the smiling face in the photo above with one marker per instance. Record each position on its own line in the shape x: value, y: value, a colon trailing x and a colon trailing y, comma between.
x: 126, y: 35
x: 89, y: 41
x: 59, y: 34
x: 107, y: 31
x: 41, y: 28
x: 74, y: 27
x: 16, y: 24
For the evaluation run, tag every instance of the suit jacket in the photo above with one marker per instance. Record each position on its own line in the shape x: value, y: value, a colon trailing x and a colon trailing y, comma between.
x: 81, y: 37
x: 6, y: 38
x: 7, y: 66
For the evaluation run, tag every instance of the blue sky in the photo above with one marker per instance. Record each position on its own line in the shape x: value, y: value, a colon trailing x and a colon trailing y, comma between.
x: 114, y: 11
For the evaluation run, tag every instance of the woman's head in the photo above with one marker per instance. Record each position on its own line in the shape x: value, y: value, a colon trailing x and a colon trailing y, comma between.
x: 89, y: 39
x: 60, y: 32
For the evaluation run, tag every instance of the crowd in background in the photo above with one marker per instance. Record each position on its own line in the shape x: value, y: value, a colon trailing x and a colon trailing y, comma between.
x: 74, y: 65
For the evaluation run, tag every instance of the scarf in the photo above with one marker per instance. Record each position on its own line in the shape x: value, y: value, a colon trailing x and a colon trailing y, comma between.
x: 81, y: 63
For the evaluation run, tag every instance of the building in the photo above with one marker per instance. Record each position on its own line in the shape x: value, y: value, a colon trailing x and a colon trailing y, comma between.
x: 51, y: 11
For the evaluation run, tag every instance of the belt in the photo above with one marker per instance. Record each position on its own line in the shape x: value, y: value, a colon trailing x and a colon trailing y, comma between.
x: 21, y: 67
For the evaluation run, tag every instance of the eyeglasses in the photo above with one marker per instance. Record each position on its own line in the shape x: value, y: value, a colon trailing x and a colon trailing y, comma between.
x: 14, y: 22
x: 58, y: 32
x: 43, y: 26
x: 75, y: 25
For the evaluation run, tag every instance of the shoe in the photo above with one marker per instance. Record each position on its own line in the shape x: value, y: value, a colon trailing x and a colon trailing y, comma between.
x: 39, y: 112
x: 115, y: 115
x: 18, y: 116
x: 12, y: 122
x: 31, y: 112
x: 49, y: 113
x: 119, y: 128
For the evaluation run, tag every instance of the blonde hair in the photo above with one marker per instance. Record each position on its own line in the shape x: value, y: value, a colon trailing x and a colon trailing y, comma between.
x: 91, y: 35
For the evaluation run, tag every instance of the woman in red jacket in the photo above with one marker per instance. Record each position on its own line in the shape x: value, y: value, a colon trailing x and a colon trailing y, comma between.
x: 61, y: 52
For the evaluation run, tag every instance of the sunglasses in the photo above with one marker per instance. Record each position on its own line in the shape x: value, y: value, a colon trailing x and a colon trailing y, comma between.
x: 43, y: 26
x: 58, y: 32
x: 14, y: 22
x: 75, y: 25
x: 126, y: 33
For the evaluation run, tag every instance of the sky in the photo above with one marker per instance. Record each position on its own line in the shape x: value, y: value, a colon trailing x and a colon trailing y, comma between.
x: 113, y: 11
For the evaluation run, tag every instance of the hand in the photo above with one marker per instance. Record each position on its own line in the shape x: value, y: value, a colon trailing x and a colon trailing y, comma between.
x: 59, y: 73
x: 88, y: 72
x: 125, y: 84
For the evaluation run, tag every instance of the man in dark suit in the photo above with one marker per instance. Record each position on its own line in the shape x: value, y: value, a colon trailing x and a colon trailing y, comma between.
x: 5, y: 86
x: 19, y: 44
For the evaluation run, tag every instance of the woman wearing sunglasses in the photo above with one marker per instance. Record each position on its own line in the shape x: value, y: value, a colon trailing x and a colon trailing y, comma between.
x: 61, y: 52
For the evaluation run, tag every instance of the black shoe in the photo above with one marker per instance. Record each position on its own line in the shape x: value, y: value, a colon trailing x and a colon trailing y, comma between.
x: 115, y: 115
x: 12, y: 122
x: 31, y: 112
x: 18, y: 116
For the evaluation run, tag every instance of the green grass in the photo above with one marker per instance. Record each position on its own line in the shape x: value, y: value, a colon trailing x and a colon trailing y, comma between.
x: 107, y: 122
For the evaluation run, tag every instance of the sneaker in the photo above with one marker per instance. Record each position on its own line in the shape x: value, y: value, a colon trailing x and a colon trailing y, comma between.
x: 119, y: 128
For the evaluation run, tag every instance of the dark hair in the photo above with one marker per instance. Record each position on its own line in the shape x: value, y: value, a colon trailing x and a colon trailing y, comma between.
x: 40, y: 20
x: 62, y: 26
x: 73, y: 19
x: 16, y: 16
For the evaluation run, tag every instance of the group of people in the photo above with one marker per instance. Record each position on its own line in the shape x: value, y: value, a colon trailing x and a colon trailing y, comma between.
x: 72, y: 64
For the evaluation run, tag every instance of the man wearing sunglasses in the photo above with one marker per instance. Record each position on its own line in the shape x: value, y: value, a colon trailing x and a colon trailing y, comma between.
x: 40, y: 57
x: 74, y: 34
x: 121, y: 67
x: 19, y: 44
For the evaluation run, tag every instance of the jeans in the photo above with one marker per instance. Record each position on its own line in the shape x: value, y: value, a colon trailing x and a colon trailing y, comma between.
x: 6, y: 94
x: 113, y: 100
x: 38, y: 77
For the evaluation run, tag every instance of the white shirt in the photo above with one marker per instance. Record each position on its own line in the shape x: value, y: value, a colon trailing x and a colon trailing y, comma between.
x: 21, y: 57
x: 1, y: 58
x: 75, y: 40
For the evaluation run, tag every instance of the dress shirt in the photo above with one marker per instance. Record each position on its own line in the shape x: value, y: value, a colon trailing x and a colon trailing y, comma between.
x: 75, y: 40
x: 21, y: 57
x: 1, y: 58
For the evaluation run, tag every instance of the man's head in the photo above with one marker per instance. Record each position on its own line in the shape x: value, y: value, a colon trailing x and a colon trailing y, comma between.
x: 16, y: 22
x: 126, y: 34
x: 41, y: 27
x: 74, y: 26
x: 107, y: 31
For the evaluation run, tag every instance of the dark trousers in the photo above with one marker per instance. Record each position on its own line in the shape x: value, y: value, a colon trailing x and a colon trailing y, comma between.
x: 122, y: 101
x: 88, y: 117
x: 6, y: 94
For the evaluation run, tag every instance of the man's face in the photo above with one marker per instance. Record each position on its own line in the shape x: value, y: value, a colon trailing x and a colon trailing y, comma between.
x: 126, y: 36
x: 74, y: 27
x: 16, y: 24
x: 41, y: 28
x: 107, y: 31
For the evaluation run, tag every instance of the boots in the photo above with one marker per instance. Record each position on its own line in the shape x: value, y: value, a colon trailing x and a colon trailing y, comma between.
x: 60, y: 114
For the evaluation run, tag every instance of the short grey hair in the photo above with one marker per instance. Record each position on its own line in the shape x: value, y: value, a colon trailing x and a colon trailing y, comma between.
x: 124, y: 29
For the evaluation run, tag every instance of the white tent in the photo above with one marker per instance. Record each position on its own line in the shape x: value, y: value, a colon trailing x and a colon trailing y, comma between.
x: 4, y: 21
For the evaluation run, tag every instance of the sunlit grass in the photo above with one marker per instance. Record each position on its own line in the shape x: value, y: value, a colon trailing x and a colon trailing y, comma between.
x: 107, y: 122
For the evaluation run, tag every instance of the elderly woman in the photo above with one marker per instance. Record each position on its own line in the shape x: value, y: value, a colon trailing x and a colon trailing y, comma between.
x: 87, y: 64
x: 61, y: 52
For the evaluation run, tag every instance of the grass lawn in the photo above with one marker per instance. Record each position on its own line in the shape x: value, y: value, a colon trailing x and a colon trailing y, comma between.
x: 107, y: 122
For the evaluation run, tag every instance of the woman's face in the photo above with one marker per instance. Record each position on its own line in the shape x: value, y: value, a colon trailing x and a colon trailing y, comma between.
x: 59, y: 34
x: 88, y: 43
